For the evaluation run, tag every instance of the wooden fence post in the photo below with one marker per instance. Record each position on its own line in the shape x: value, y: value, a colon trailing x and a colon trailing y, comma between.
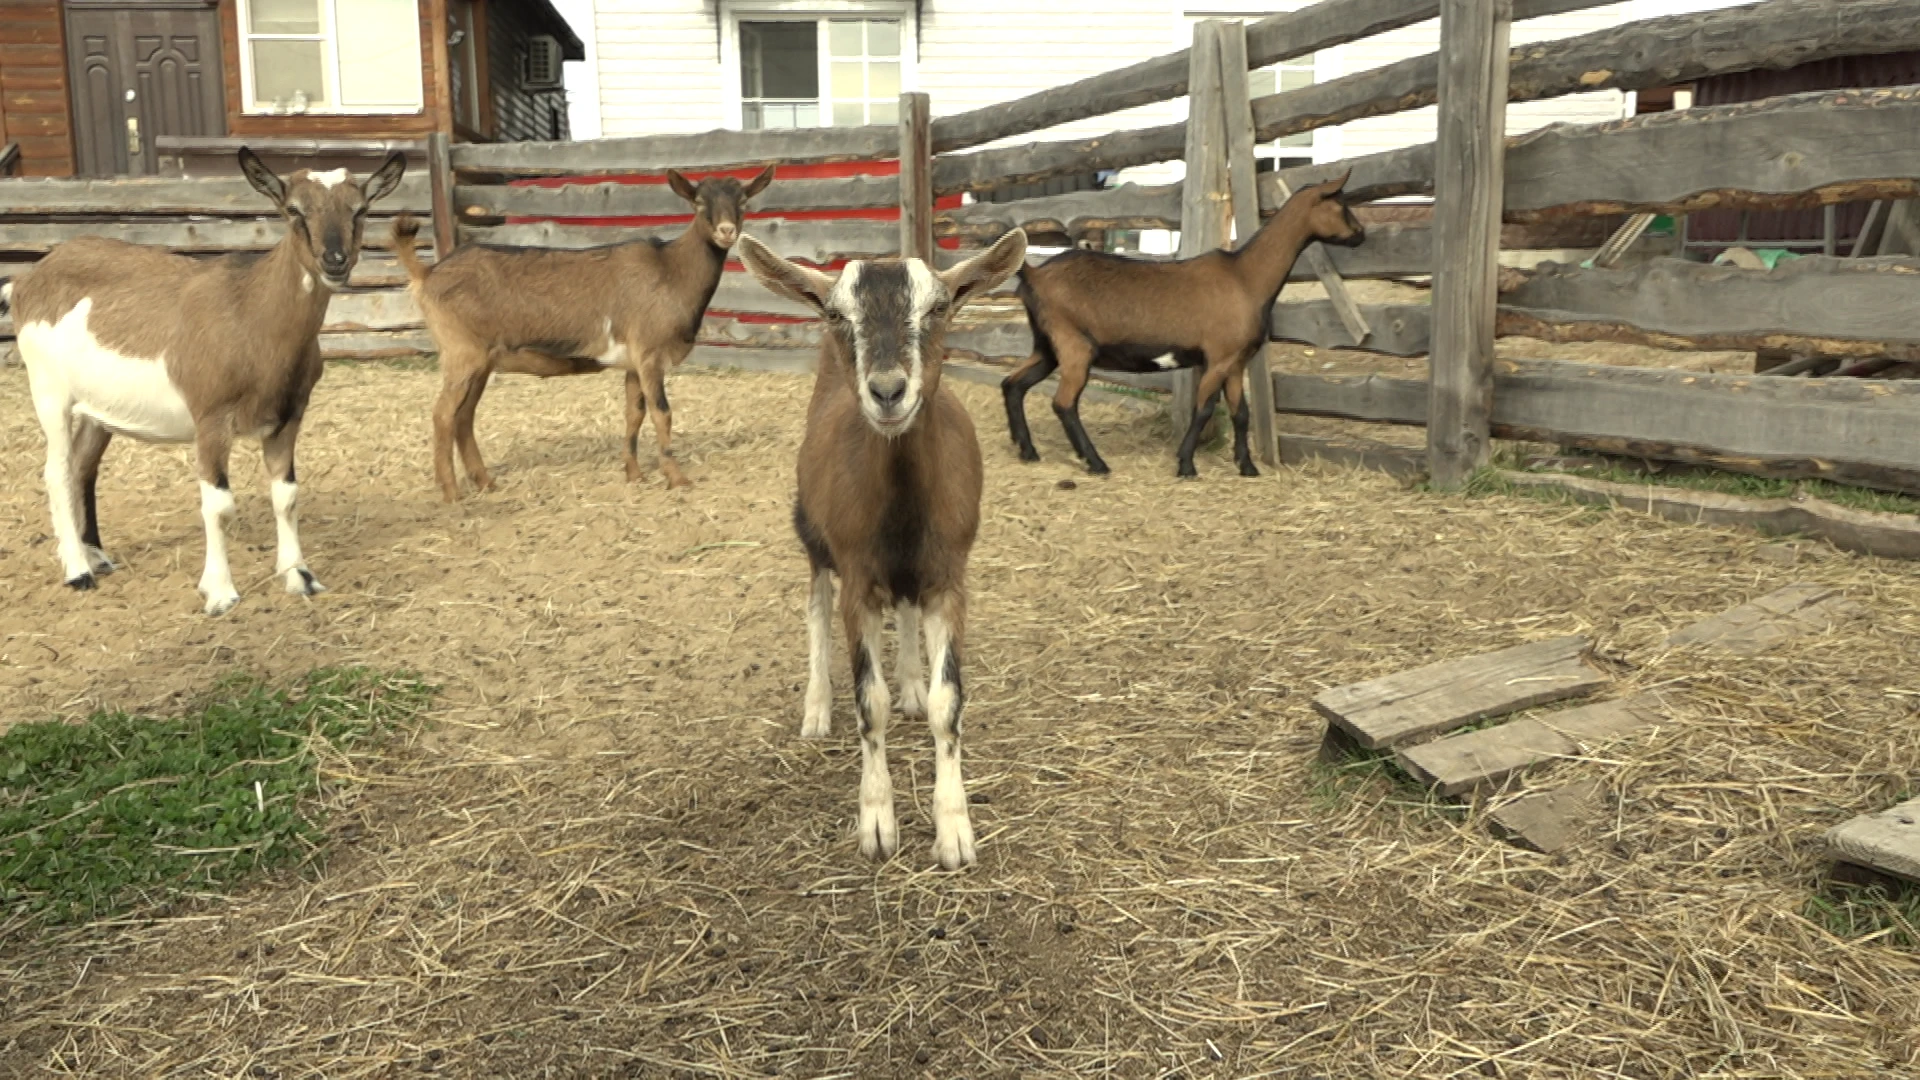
x: 440, y: 184
x: 916, y: 178
x: 1243, y: 186
x: 1206, y: 194
x: 1469, y: 171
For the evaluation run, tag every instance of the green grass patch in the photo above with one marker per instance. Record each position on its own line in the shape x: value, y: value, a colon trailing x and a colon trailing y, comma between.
x: 1725, y: 483
x: 1855, y: 911
x: 124, y: 810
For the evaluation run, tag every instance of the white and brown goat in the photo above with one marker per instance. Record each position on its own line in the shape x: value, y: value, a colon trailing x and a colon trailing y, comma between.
x: 1091, y: 309
x: 120, y: 339
x: 889, y: 499
x: 634, y: 306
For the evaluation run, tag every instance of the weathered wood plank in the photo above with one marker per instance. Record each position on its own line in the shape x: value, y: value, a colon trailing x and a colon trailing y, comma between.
x: 1468, y: 165
x: 127, y: 196
x: 1393, y: 329
x: 814, y: 241
x: 387, y: 309
x: 1890, y: 536
x: 1407, y: 706
x: 375, y: 344
x: 1244, y: 191
x: 738, y: 291
x: 1794, y: 611
x: 1129, y: 206
x: 658, y: 200
x: 1486, y: 758
x: 707, y: 150
x: 1401, y: 462
x: 916, y: 177
x: 446, y: 217
x: 238, y: 234
x: 1205, y: 195
x: 1548, y: 821
x: 1888, y: 841
x: 1847, y: 430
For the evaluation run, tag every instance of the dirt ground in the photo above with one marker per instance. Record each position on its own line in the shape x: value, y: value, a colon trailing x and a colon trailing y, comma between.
x: 607, y: 853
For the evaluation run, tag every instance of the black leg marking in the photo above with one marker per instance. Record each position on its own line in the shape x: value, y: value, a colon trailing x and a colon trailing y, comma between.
x: 82, y: 583
x: 951, y: 673
x: 659, y: 402
x: 1192, y: 440
x: 307, y: 577
x: 1014, y: 390
x: 1242, y: 421
x: 810, y: 538
x: 91, y: 510
x: 1078, y: 437
x: 291, y: 477
x: 862, y: 667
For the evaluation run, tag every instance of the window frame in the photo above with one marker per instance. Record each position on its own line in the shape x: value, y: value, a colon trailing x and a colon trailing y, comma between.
x: 329, y: 38
x: 734, y: 12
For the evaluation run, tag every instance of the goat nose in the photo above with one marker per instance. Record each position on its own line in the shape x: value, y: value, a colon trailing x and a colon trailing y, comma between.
x: 887, y: 389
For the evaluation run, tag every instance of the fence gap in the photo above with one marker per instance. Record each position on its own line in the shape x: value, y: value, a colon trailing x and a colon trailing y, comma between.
x: 1469, y: 171
x: 1205, y: 195
x: 916, y: 177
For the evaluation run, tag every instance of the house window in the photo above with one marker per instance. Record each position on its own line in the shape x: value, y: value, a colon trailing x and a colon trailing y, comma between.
x: 1293, y: 74
x: 811, y: 69
x: 330, y: 56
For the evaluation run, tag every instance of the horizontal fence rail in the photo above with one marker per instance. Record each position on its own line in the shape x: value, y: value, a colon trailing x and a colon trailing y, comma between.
x: 143, y: 197
x: 658, y: 200
x: 651, y: 153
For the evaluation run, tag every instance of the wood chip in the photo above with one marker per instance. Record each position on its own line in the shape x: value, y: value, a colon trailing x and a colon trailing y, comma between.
x: 1407, y: 706
x: 1547, y: 821
x: 1483, y: 759
x: 1798, y: 609
x: 1888, y: 841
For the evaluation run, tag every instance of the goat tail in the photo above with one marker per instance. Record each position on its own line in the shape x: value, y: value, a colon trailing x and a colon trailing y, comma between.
x: 406, y: 238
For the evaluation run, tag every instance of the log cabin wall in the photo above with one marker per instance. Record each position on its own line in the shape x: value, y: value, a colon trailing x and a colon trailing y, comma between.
x: 34, y: 110
x: 402, y: 125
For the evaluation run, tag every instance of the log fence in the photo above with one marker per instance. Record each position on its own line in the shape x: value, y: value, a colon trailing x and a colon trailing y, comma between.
x: 844, y: 193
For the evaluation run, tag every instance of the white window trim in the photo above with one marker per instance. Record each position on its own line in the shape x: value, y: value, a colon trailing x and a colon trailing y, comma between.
x: 732, y: 12
x: 1326, y: 62
x: 330, y: 69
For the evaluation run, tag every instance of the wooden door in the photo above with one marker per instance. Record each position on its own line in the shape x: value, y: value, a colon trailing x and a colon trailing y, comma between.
x: 141, y: 70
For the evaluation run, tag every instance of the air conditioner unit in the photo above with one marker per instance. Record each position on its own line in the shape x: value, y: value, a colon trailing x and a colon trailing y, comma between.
x: 543, y: 62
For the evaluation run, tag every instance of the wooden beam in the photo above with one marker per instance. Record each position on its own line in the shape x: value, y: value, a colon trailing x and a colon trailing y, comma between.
x: 1794, y: 611
x: 1549, y: 820
x: 1128, y: 206
x: 164, y: 197
x: 1847, y: 430
x: 1409, y: 706
x: 1888, y: 841
x: 1488, y: 757
x: 1401, y: 462
x: 818, y: 242
x: 446, y: 219
x: 658, y: 200
x: 235, y: 234
x: 1205, y: 195
x: 916, y: 179
x: 652, y: 153
x: 1395, y: 329
x: 1245, y: 195
x: 1466, y: 223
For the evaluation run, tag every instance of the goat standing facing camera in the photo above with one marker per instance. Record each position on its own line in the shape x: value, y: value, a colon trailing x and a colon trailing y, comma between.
x: 120, y: 339
x: 1090, y: 309
x: 890, y: 479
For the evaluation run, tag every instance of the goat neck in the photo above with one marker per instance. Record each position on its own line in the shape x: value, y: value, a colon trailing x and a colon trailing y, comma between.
x: 1267, y: 259
x: 282, y: 298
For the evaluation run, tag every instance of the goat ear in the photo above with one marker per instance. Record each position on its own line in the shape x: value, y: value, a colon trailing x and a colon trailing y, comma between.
x: 789, y: 279
x: 1336, y: 185
x: 264, y: 180
x: 985, y: 271
x: 759, y: 183
x: 386, y: 177
x: 681, y: 186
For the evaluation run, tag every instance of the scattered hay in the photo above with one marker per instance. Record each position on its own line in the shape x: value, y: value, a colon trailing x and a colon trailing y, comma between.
x: 610, y: 854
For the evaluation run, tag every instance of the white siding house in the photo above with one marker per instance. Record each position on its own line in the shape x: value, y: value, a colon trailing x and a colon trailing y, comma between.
x: 693, y: 65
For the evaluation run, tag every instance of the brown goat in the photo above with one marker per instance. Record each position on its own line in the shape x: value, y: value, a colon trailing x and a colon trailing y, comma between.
x: 889, y: 499
x: 529, y: 311
x: 120, y: 339
x: 1091, y: 309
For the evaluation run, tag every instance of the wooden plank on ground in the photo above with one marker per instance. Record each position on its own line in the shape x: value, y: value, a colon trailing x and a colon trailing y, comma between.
x: 1461, y: 763
x: 1410, y: 705
x: 1547, y: 821
x: 1888, y: 841
x: 1794, y: 611
x: 1402, y: 462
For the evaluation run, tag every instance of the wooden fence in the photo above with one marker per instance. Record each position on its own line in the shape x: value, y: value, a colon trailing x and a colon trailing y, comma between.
x: 839, y: 195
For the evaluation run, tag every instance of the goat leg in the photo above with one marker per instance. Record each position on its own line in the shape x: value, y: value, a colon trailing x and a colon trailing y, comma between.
x: 906, y: 661
x: 1014, y: 390
x: 663, y: 423
x: 878, y: 829
x: 276, y: 452
x: 212, y: 445
x: 952, y: 825
x: 636, y: 414
x: 90, y: 441
x: 818, y: 719
x: 56, y: 419
x: 1242, y: 421
x: 1066, y: 406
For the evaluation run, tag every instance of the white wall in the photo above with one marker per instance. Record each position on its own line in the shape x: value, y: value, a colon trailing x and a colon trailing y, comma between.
x: 583, y: 77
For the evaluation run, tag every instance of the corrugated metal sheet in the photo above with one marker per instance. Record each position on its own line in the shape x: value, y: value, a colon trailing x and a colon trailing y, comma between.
x: 1803, y: 229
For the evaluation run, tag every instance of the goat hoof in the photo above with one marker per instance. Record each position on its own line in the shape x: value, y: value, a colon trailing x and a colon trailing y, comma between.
x: 301, y: 582
x: 82, y: 583
x: 220, y: 604
x: 100, y: 561
x: 1098, y: 468
x: 1028, y: 453
x: 1187, y: 472
x: 1247, y: 469
x: 879, y: 836
x: 913, y: 700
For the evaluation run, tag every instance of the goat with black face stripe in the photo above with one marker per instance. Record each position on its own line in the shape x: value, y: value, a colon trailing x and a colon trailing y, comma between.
x: 890, y: 479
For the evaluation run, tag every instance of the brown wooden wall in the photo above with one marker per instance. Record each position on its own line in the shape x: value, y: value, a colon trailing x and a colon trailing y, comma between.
x: 34, y: 110
x: 416, y: 125
x: 516, y: 113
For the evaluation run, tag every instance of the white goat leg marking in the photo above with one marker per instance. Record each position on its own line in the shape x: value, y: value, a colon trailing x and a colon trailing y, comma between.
x: 952, y: 827
x: 291, y: 563
x: 63, y: 494
x: 906, y: 661
x: 216, y: 582
x: 818, y: 720
x: 878, y: 828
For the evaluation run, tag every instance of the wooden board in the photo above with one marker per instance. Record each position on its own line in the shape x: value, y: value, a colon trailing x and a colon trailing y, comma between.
x: 1403, y: 462
x: 1794, y: 611
x: 1410, y: 705
x: 239, y: 234
x: 813, y: 241
x: 1890, y: 536
x: 1849, y: 430
x: 384, y: 309
x: 658, y: 200
x: 125, y: 196
x: 1461, y: 763
x: 1888, y: 841
x: 1128, y: 206
x: 1392, y: 329
x: 375, y: 344
x: 707, y: 150
x: 1547, y: 821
